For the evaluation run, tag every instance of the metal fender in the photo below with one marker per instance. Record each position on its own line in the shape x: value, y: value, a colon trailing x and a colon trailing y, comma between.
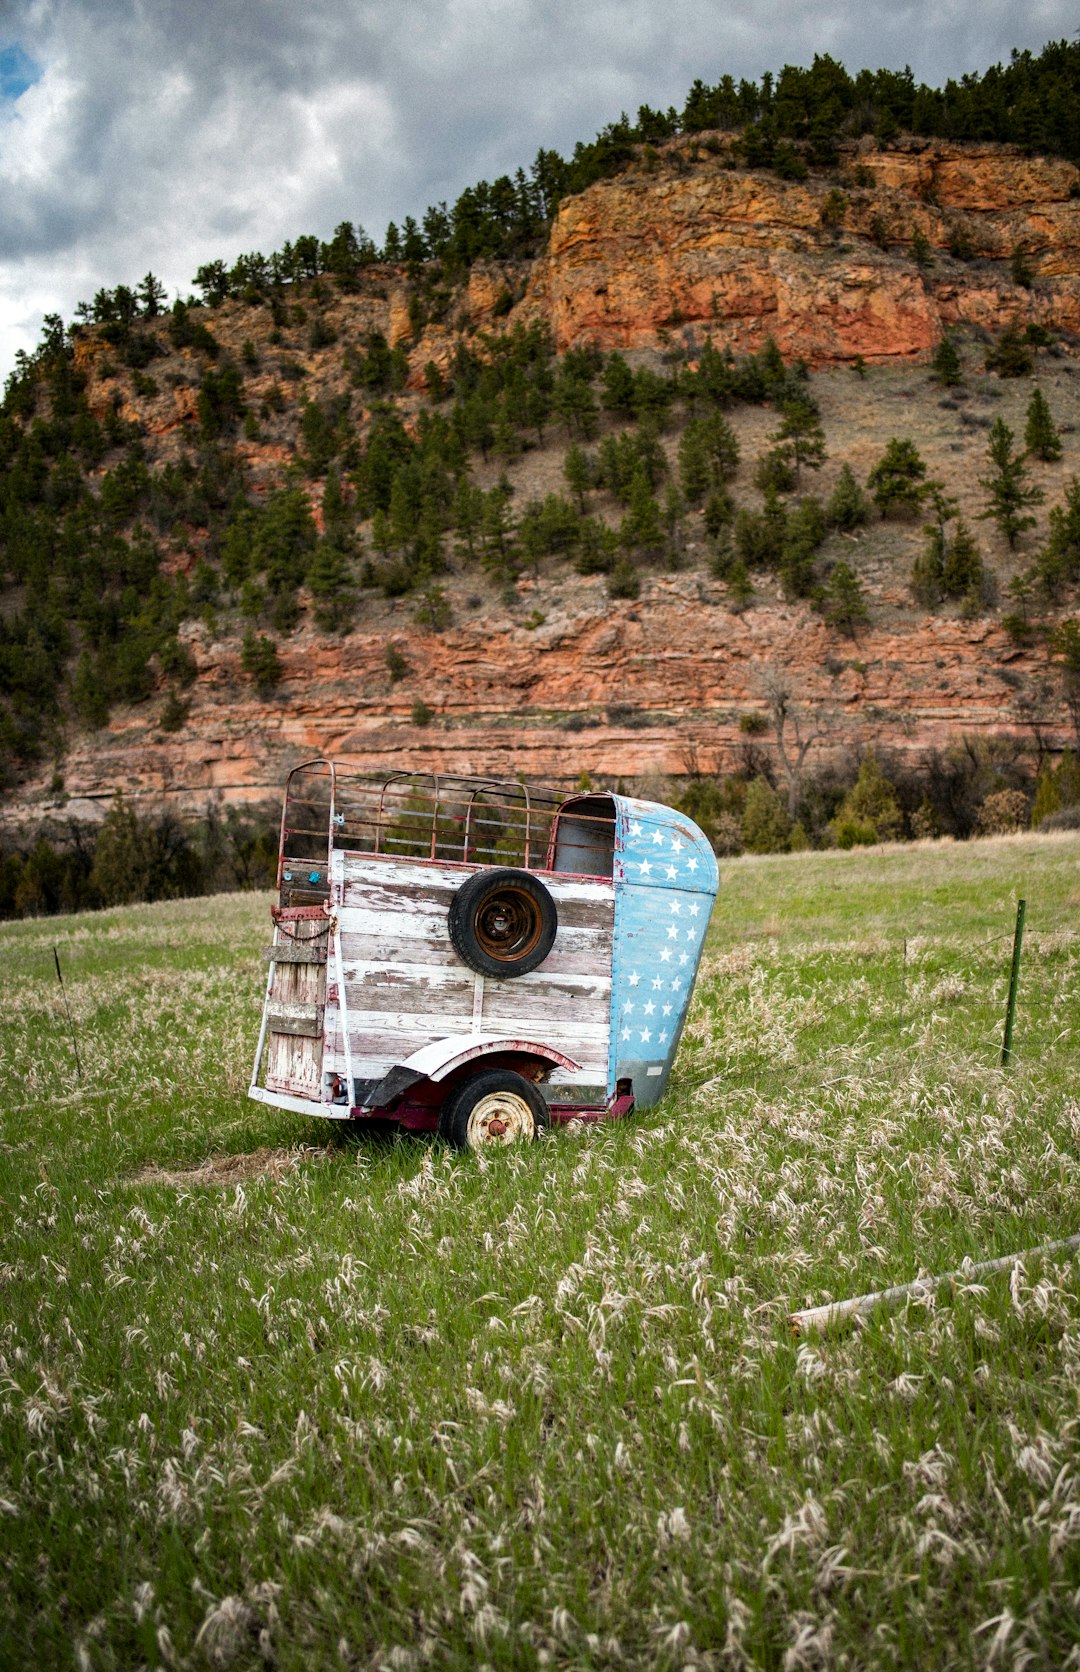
x: 443, y: 1056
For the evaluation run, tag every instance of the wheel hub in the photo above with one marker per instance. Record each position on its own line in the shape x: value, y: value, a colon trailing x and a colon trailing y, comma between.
x: 500, y: 1118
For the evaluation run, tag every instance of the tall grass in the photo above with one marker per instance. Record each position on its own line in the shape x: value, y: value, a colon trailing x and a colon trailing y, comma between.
x: 391, y: 1406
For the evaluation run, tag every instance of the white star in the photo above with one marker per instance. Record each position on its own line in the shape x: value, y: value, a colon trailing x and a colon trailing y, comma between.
x: 658, y: 838
x: 662, y: 1038
x: 628, y: 1010
x: 676, y: 985
x: 684, y: 957
x: 635, y: 827
x: 667, y: 1010
x: 657, y: 981
x: 665, y: 954
x: 691, y: 934
x: 673, y: 931
x: 672, y: 873
x: 693, y: 908
x: 650, y: 1008
x: 625, y: 1033
x: 676, y: 907
x: 691, y: 864
x: 646, y: 1035
x: 676, y: 845
x: 645, y: 867
x: 633, y: 978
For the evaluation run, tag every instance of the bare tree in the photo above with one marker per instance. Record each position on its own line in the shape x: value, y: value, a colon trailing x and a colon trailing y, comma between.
x: 795, y: 728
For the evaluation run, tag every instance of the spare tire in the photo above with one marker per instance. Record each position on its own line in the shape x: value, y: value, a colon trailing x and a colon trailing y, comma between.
x: 502, y: 923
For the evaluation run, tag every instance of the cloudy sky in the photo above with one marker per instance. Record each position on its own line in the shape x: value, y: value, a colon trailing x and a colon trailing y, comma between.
x: 159, y: 134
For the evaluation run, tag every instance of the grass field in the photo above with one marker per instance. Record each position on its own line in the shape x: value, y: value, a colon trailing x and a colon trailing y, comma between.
x: 347, y: 1402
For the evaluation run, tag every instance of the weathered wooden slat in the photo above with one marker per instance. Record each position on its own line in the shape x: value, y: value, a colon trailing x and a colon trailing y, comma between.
x: 591, y: 956
x: 432, y: 905
x: 430, y: 927
x: 542, y: 1005
x: 450, y: 996
x: 417, y: 1027
x: 295, y: 952
x: 373, y: 1055
x: 302, y: 1020
x: 420, y: 878
x: 293, y: 1065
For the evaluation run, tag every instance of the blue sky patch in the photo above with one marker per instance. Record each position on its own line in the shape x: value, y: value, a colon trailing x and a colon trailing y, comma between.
x: 17, y: 72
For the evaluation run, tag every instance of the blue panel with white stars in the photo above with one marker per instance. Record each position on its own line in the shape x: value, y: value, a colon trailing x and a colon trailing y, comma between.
x: 665, y: 884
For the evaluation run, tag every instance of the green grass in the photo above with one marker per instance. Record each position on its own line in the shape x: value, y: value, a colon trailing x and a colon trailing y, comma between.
x: 403, y: 1408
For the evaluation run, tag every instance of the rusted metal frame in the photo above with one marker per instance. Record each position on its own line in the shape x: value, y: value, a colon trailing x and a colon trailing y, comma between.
x: 565, y: 812
x: 435, y: 815
x: 394, y: 778
x: 304, y: 766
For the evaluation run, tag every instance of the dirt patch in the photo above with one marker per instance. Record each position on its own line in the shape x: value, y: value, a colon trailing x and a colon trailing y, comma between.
x: 233, y: 1169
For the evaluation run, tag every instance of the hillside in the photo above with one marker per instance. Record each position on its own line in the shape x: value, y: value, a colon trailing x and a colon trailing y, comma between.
x: 321, y: 517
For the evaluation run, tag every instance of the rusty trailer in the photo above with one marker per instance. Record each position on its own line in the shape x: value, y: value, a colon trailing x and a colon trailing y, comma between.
x: 474, y: 956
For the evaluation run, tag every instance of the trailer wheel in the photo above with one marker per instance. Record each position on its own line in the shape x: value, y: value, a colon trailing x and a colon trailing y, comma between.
x: 502, y: 923
x: 495, y: 1107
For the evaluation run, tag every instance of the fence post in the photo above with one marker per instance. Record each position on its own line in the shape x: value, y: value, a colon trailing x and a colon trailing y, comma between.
x: 1014, y: 976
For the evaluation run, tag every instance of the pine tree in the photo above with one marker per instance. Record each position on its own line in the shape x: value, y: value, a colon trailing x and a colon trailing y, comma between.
x: 869, y: 811
x: 1007, y: 487
x: 844, y: 602
x: 766, y: 827
x: 802, y: 431
x: 259, y: 660
x: 896, y: 482
x: 847, y: 507
x: 1040, y: 432
x: 578, y: 473
x: 946, y: 364
x: 962, y: 571
x: 642, y: 530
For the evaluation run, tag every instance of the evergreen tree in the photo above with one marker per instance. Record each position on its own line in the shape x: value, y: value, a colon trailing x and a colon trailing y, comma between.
x: 962, y: 572
x: 896, y: 482
x: 803, y: 432
x: 1007, y: 488
x: 847, y: 507
x: 844, y: 602
x: 766, y: 827
x: 946, y: 364
x: 1011, y: 355
x: 642, y: 530
x: 1059, y: 562
x: 869, y: 812
x: 578, y: 473
x: 260, y: 661
x: 1040, y: 432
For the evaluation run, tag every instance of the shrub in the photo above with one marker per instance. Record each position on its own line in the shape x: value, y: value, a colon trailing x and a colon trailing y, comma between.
x: 869, y: 805
x: 1002, y: 813
x: 260, y: 661
x: 896, y: 481
x: 766, y: 827
x: 847, y: 506
x: 624, y: 580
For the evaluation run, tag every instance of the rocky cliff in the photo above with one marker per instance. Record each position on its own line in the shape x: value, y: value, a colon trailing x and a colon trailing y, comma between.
x: 683, y: 246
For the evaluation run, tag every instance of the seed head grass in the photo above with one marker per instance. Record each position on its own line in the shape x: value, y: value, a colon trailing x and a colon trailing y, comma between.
x: 274, y: 1393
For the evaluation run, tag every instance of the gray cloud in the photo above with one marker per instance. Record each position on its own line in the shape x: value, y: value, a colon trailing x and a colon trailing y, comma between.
x: 163, y: 133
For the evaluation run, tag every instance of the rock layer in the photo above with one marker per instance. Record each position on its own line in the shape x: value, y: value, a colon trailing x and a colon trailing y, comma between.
x: 621, y: 690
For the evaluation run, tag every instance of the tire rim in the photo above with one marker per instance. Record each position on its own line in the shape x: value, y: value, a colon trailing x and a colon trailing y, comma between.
x: 502, y: 1117
x: 508, y: 925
